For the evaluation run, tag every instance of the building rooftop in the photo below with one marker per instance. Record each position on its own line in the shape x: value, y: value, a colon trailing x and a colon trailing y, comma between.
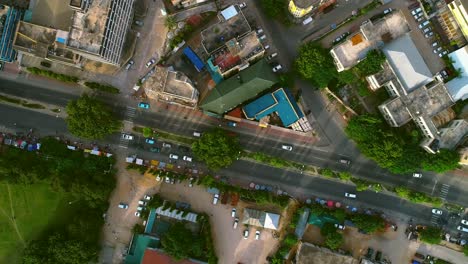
x: 52, y: 13
x: 407, y: 63
x: 215, y: 36
x: 34, y: 38
x: 88, y: 28
x: 178, y: 84
x: 370, y: 36
x: 241, y: 87
x: 458, y: 87
x: 280, y: 102
x: 451, y: 136
x: 398, y: 111
x: 308, y: 253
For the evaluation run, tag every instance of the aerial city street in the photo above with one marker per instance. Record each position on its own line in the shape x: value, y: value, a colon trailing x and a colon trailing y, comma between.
x: 221, y: 131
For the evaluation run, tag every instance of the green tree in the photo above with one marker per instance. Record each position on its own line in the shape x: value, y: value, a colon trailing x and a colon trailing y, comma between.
x: 431, y: 235
x: 170, y: 22
x: 316, y: 64
x: 90, y: 118
x: 276, y: 9
x: 368, y: 223
x: 147, y: 132
x: 290, y: 240
x: 327, y: 172
x: 347, y: 77
x: 327, y: 228
x: 465, y: 249
x: 371, y: 64
x: 445, y: 160
x: 334, y: 240
x: 217, y: 149
x: 345, y: 176
x: 178, y: 241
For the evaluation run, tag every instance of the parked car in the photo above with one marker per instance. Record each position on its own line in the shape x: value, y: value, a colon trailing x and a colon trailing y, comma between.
x: 150, y: 62
x: 242, y: 5
x: 196, y: 134
x: 236, y: 222
x: 340, y: 227
x: 155, y: 150
x: 307, y: 21
x: 429, y: 34
x: 277, y: 68
x: 215, y: 198
x: 187, y: 158
x: 287, y: 147
x: 259, y: 31
x: 142, y: 203
x: 350, y: 195
x: 424, y: 24
x: 426, y: 30
x: 435, y: 44
x: 266, y: 47
x: 417, y: 10
x: 387, y: 11
x: 419, y: 19
x: 231, y: 124
x: 417, y: 175
x: 139, y: 23
x: 191, y: 182
x: 437, y: 211
x: 144, y: 105
x: 233, y: 212
x: 246, y: 233
x: 138, y: 214
x: 166, y: 145
x: 129, y: 64
x: 463, y: 229
x: 262, y: 37
x: 345, y: 161
x: 149, y: 141
x: 127, y: 136
x: 147, y: 197
x: 173, y: 156
x: 443, y: 53
x: 123, y: 205
x: 418, y: 15
x: 140, y: 208
x: 271, y: 56
x: 464, y: 222
x: 257, y: 235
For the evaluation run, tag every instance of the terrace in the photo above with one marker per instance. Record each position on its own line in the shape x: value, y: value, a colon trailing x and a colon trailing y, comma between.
x: 370, y: 36
x: 215, y: 36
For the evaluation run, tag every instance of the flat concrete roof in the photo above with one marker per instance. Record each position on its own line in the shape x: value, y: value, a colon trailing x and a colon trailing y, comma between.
x: 88, y: 28
x: 398, y: 111
x: 308, y: 253
x: 34, y: 39
x: 52, y: 13
x: 371, y: 36
x: 407, y: 63
x: 178, y: 84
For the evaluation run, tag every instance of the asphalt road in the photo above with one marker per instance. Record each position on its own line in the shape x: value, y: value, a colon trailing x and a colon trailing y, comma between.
x: 185, y: 121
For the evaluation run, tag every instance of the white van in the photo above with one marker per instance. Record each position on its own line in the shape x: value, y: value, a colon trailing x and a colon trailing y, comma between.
x: 307, y: 21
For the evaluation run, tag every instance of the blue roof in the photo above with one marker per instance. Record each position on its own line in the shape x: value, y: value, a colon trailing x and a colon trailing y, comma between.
x: 215, y: 75
x: 150, y: 222
x: 280, y: 101
x: 193, y: 57
x: 7, y: 53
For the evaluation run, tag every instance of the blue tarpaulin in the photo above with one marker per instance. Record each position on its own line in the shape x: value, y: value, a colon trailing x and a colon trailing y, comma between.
x: 193, y: 57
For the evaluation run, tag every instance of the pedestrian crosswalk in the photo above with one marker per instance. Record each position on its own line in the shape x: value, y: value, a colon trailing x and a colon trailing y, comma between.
x: 130, y: 113
x: 444, y: 191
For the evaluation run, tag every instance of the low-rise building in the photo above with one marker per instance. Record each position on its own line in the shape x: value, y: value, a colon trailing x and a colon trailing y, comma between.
x: 170, y: 86
x: 261, y: 219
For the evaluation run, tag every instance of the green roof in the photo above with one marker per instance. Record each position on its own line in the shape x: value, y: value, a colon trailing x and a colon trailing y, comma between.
x: 241, y: 87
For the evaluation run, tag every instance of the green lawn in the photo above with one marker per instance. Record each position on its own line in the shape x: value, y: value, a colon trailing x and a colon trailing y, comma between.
x: 34, y: 207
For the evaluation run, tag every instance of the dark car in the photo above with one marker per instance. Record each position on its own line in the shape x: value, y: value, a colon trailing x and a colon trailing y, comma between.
x: 155, y: 150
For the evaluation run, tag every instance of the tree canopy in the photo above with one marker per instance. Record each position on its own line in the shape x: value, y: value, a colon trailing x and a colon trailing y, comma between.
x: 371, y: 64
x: 180, y: 243
x: 431, y: 235
x: 394, y: 150
x: 334, y: 240
x: 90, y: 118
x: 315, y: 63
x: 217, y: 149
x: 368, y: 223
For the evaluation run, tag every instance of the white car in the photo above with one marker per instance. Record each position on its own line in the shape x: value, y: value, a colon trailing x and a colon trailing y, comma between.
x: 443, y: 53
x: 187, y: 158
x: 123, y: 205
x: 424, y: 24
x: 166, y: 145
x: 150, y: 62
x: 277, y: 68
x: 242, y: 5
x: 415, y: 11
x: 142, y: 203
x: 350, y: 195
x: 437, y: 211
x: 140, y: 208
x: 417, y: 175
x: 236, y: 222
x: 147, y: 197
x: 173, y: 156
x: 246, y: 233
x: 259, y: 31
x: 271, y: 56
x: 137, y: 213
x: 388, y: 10
x: 464, y: 222
x: 463, y: 229
x: 158, y: 178
x: 287, y: 147
x: 196, y: 134
x: 341, y: 227
x: 190, y: 182
x: 257, y: 235
x: 233, y: 212
x: 439, y: 49
x: 215, y: 198
x: 168, y: 180
x: 428, y: 29
x: 127, y: 136
x: 429, y: 34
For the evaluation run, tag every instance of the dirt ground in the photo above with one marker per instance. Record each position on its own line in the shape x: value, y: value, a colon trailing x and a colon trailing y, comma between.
x: 229, y: 243
x: 117, y: 232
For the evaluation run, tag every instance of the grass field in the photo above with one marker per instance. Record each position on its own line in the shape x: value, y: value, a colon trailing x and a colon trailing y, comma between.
x: 25, y: 212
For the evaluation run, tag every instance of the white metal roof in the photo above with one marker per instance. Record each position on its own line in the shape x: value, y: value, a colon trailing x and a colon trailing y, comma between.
x: 271, y: 221
x: 458, y: 87
x: 229, y: 12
